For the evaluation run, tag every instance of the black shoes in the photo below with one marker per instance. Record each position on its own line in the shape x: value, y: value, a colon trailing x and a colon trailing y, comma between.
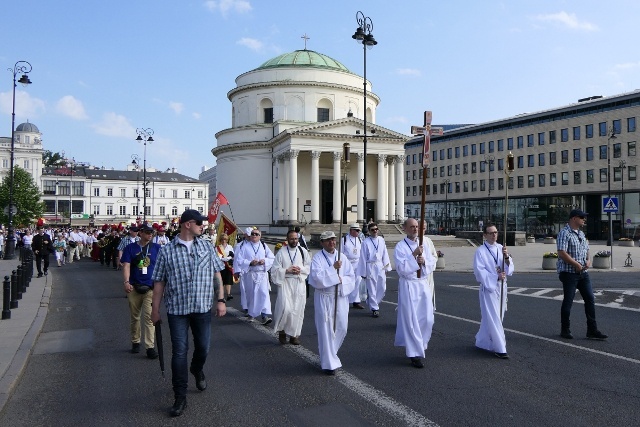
x: 39, y: 274
x: 282, y: 337
x: 501, y: 355
x: 135, y: 347
x: 294, y: 341
x: 416, y: 362
x: 266, y: 320
x: 566, y: 333
x: 178, y: 407
x: 596, y: 335
x: 46, y: 272
x: 229, y: 297
x: 152, y: 353
x: 201, y: 382
x: 358, y: 306
x: 329, y: 371
x: 375, y: 313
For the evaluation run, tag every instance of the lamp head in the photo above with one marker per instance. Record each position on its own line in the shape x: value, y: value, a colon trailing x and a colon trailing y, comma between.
x: 24, y: 80
x: 359, y: 35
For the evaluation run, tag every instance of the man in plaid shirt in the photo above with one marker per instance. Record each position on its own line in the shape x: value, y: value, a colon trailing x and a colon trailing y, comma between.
x: 573, y: 262
x: 185, y: 272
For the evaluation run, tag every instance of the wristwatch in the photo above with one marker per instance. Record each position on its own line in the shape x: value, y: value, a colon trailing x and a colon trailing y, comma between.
x: 222, y: 300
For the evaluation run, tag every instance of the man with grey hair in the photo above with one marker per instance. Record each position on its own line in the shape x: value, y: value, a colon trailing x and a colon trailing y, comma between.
x: 333, y: 279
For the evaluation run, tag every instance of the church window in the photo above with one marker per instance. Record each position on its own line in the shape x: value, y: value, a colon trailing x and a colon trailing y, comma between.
x: 323, y: 114
x: 268, y: 115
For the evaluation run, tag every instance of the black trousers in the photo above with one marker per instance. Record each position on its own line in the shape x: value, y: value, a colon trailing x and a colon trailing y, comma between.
x: 42, y: 257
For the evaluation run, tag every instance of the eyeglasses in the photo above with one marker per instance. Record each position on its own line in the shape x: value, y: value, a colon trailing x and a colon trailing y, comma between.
x: 491, y: 232
x: 146, y: 231
x: 255, y: 234
x: 197, y: 222
x: 582, y: 217
x: 373, y: 229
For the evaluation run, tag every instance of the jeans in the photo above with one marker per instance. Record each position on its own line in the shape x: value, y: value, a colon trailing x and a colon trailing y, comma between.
x: 581, y: 282
x: 200, y: 324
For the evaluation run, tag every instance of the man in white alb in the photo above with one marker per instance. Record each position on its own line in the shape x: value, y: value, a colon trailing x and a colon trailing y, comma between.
x: 373, y: 264
x: 351, y: 245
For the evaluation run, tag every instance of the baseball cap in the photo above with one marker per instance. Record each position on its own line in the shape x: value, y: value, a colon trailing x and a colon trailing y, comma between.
x: 192, y: 215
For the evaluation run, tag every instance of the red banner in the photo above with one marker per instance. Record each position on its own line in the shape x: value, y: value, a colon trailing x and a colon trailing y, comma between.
x: 214, y: 209
x: 227, y: 227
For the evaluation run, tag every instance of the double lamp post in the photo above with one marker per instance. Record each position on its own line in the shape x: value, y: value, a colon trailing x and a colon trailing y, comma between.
x: 145, y: 136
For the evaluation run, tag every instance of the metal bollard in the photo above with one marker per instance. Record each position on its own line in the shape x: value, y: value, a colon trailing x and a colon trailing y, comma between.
x: 27, y: 267
x: 6, y: 298
x: 20, y: 275
x: 14, y: 289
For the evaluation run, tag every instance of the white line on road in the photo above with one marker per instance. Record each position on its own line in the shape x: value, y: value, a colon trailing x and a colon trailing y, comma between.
x: 364, y: 390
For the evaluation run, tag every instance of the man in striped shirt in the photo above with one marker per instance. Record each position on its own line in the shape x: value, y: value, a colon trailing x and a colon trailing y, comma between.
x: 185, y: 272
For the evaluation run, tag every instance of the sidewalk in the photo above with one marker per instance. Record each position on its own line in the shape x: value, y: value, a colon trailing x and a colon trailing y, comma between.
x: 19, y: 333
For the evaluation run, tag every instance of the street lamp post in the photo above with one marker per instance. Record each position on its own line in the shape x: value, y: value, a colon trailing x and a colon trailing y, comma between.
x: 612, y: 135
x: 488, y: 160
x: 363, y: 35
x: 73, y: 164
x: 57, y: 183
x: 622, y: 165
x: 446, y: 183
x: 24, y: 68
x: 135, y: 161
x: 192, y: 191
x: 144, y: 136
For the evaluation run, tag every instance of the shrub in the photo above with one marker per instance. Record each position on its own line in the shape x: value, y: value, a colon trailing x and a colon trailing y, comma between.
x: 550, y: 255
x: 602, y: 254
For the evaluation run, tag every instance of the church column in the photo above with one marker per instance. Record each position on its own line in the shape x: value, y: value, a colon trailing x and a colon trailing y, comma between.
x: 281, y: 207
x: 391, y: 192
x: 380, y: 205
x: 360, y: 189
x: 293, y: 186
x: 275, y: 216
x: 400, y: 184
x: 337, y: 156
x: 315, y: 187
x: 287, y: 186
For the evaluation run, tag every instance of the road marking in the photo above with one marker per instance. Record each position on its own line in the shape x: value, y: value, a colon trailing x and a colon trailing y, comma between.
x: 364, y: 390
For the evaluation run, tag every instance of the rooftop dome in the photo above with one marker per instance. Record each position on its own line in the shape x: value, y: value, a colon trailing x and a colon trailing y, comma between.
x: 27, y: 127
x: 304, y: 58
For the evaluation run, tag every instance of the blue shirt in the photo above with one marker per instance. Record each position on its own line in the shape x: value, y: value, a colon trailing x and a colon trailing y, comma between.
x: 132, y: 254
x: 575, y: 244
x: 187, y: 275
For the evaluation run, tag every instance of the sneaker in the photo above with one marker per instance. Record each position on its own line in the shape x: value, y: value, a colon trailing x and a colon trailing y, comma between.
x: 358, y: 306
x: 266, y: 320
x: 596, y: 335
x: 416, y: 362
x: 566, y: 333
x: 152, y: 353
x: 229, y: 297
x: 135, y: 347
x: 46, y: 272
x: 375, y: 313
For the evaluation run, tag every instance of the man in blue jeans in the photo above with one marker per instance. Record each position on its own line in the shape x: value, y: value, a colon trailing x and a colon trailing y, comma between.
x: 185, y: 272
x: 573, y: 262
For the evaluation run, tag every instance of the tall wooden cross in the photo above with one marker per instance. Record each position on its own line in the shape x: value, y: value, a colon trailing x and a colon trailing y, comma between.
x: 305, y: 37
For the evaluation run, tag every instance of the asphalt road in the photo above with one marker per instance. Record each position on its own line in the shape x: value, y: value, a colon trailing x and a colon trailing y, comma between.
x: 81, y: 372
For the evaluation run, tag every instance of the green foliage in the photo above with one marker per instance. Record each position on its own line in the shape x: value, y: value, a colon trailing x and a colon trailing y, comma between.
x: 26, y: 197
x: 51, y: 159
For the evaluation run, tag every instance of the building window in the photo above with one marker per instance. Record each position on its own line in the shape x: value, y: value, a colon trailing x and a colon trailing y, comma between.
x: 408, y: 160
x: 147, y: 192
x: 474, y: 186
x: 465, y: 168
x: 520, y: 142
x: 441, y: 170
x: 552, y: 179
x: 162, y: 193
x: 465, y: 186
x: 465, y: 151
x: 510, y: 183
x: 187, y: 193
x: 530, y: 181
x: 588, y: 131
x: 123, y: 210
x: 500, y: 164
x: 589, y: 176
x: 602, y: 129
x: 500, y: 183
x: 27, y: 139
x: 5, y: 163
x: 473, y: 149
x: 435, y: 188
x: 501, y: 145
x: 26, y: 165
x: 631, y: 172
x: 552, y: 157
x: 483, y: 167
x: 603, y: 152
x: 49, y: 187
x: 576, y: 133
x: 268, y: 115
x: 564, y: 135
x: 530, y: 140
x: 415, y: 190
x: 123, y: 192
x: 483, y: 186
x: 541, y: 138
x: 435, y: 172
x: 617, y: 174
x: 109, y: 192
x: 448, y: 170
x: 136, y: 193
x: 96, y: 209
x: 520, y: 182
x: 449, y: 153
x: 617, y: 126
x: 134, y: 210
x: 457, y: 187
x: 174, y: 194
x: 565, y: 178
x: 457, y: 152
x: 541, y: 178
x: 408, y: 175
x: 174, y: 210
x: 617, y: 150
x: 576, y: 155
x: 109, y: 209
x: 413, y: 158
x: 631, y: 124
x: 457, y: 169
x: 603, y: 174
x: 96, y: 191
x: 408, y: 192
x: 520, y: 162
x: 564, y: 155
x: 491, y: 186
x: 163, y: 210
x: 509, y: 143
x: 552, y: 137
x: 482, y: 147
x: 147, y: 210
x: 541, y: 159
x: 589, y: 154
x: 323, y: 114
x: 576, y: 177
x: 631, y: 148
x: 491, y: 147
x: 530, y: 161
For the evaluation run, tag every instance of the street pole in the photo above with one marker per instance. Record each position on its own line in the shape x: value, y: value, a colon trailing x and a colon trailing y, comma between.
x: 135, y: 161
x: 71, y: 191
x: 25, y: 68
x: 446, y: 183
x: 622, y: 165
x: 612, y: 136
x: 144, y: 136
x: 488, y: 160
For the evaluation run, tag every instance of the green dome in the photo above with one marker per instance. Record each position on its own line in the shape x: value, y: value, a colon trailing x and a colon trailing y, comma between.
x: 304, y: 58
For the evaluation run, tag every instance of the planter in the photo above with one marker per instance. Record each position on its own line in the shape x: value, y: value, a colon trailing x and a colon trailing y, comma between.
x: 440, y: 263
x: 601, y: 262
x: 531, y: 239
x: 549, y: 263
x: 549, y: 241
x: 629, y: 243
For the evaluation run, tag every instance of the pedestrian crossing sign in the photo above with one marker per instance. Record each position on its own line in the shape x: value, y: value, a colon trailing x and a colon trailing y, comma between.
x: 610, y: 204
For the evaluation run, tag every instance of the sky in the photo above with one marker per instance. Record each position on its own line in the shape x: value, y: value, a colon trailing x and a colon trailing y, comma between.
x: 102, y: 69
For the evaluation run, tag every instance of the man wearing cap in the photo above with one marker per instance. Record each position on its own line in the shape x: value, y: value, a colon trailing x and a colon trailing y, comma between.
x: 351, y: 245
x: 333, y: 279
x: 138, y: 260
x: 373, y: 264
x: 254, y: 260
x: 187, y: 271
x: 573, y: 263
x: 132, y: 237
x: 161, y: 238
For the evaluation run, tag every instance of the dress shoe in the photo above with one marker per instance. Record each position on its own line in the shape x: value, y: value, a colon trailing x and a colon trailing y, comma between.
x: 229, y: 297
x: 329, y: 371
x: 358, y: 306
x: 596, y: 335
x: 282, y: 337
x: 501, y: 355
x: 152, y: 353
x: 416, y: 362
x: 135, y: 347
x: 566, y: 333
x: 39, y: 274
x: 201, y: 382
x: 375, y: 313
x: 178, y: 406
x: 294, y: 340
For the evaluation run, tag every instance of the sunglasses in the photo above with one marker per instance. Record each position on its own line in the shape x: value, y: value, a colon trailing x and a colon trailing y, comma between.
x: 373, y: 229
x: 582, y: 217
x: 197, y: 222
x: 492, y: 232
x: 255, y: 234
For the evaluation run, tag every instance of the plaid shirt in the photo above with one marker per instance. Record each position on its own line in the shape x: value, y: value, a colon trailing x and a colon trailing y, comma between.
x: 574, y: 243
x: 126, y: 241
x: 188, y: 277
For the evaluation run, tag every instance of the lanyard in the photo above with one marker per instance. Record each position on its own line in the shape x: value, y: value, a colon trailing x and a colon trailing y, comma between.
x: 495, y: 258
x: 353, y: 242
x: 327, y: 258
x: 255, y: 249
x: 374, y: 244
x: 405, y: 240
x: 295, y: 253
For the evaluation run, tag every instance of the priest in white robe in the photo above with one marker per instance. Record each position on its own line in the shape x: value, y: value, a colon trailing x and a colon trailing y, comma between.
x: 491, y: 273
x: 254, y: 262
x: 237, y: 274
x: 333, y: 279
x: 289, y: 272
x: 415, y: 295
x: 351, y: 245
x: 373, y: 264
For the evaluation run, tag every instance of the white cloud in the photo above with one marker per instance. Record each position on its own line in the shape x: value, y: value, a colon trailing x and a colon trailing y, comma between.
x: 26, y: 105
x: 408, y: 72
x: 71, y: 107
x: 115, y: 125
x: 177, y: 107
x: 252, y: 44
x: 225, y: 6
x: 627, y: 66
x: 196, y: 116
x: 568, y: 20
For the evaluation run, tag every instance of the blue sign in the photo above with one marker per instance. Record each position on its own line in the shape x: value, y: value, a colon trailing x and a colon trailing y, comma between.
x: 610, y: 204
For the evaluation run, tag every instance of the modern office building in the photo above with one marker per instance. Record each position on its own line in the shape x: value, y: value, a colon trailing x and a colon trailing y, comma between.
x: 568, y: 157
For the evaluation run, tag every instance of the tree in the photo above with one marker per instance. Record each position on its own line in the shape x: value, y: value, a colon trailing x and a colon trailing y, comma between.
x: 51, y: 159
x: 26, y: 197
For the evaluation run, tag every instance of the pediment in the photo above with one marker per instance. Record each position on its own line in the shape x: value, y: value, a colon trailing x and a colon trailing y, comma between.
x: 347, y: 126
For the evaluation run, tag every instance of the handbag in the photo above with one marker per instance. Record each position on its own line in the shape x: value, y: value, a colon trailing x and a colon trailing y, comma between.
x: 141, y: 289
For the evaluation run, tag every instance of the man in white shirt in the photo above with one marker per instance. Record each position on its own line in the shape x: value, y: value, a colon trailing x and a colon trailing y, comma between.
x: 373, y: 264
x: 351, y: 246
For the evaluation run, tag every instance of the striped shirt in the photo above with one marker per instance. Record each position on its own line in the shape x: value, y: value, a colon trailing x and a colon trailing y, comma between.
x: 126, y: 241
x: 187, y: 275
x: 576, y: 245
